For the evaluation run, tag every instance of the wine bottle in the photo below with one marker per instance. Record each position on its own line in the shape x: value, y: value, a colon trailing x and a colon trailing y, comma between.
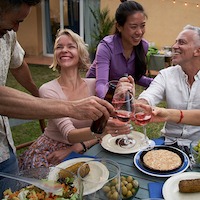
x: 128, y: 102
x: 98, y: 126
x: 127, y: 98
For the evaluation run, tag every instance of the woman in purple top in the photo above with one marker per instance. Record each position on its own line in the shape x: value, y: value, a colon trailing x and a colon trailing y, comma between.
x: 125, y: 51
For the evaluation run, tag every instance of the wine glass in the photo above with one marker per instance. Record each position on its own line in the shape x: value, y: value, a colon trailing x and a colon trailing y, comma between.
x: 141, y: 118
x: 122, y: 102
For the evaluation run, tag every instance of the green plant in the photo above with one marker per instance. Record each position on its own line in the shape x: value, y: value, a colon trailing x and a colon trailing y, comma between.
x: 151, y: 51
x: 102, y: 26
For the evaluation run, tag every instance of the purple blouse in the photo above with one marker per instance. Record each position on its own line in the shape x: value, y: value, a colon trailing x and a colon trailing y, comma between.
x: 110, y: 64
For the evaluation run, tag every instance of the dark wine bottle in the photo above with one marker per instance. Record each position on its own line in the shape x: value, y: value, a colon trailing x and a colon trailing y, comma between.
x: 128, y: 102
x: 98, y: 126
x: 128, y: 97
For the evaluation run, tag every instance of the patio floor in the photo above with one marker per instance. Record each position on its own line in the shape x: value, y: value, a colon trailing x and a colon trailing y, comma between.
x: 40, y: 60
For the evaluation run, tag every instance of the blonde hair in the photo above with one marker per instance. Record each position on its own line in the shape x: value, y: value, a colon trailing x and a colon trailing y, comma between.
x: 84, y: 58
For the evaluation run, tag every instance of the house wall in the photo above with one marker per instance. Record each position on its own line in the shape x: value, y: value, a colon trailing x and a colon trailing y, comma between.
x: 30, y: 32
x: 165, y: 21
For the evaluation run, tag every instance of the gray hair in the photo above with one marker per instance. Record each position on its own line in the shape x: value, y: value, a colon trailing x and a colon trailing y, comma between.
x: 193, y: 28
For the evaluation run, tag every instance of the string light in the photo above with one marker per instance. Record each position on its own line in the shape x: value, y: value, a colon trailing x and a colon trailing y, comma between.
x: 186, y: 3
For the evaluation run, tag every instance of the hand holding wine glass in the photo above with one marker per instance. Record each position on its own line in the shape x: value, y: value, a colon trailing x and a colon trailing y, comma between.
x: 141, y: 118
x: 122, y: 102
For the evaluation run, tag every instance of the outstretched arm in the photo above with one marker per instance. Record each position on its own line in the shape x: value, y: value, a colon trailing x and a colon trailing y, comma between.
x: 17, y: 104
x: 184, y: 116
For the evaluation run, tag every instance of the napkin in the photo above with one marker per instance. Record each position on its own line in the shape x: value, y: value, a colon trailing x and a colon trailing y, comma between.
x: 159, y: 141
x: 76, y: 155
x: 155, y: 189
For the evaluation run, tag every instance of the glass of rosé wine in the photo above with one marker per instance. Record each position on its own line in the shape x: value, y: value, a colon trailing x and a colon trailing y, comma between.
x: 142, y: 117
x: 122, y: 101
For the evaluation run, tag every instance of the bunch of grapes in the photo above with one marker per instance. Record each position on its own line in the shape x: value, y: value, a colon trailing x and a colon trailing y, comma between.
x: 196, y: 155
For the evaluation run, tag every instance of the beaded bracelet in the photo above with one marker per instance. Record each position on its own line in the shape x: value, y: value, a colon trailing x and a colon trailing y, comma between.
x: 181, y: 117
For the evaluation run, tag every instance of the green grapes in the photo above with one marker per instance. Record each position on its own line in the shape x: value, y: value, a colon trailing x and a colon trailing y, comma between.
x: 196, y: 152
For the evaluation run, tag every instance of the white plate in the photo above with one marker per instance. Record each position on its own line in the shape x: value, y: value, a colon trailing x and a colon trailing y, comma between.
x: 108, y: 143
x: 171, y: 191
x: 140, y: 166
x: 96, y: 170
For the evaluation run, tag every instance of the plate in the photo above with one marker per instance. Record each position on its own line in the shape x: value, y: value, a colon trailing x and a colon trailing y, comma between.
x: 96, y: 170
x: 171, y: 191
x: 108, y: 143
x: 141, y: 167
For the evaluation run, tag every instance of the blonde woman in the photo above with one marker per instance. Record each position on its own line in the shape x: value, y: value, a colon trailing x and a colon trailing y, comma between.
x: 63, y: 135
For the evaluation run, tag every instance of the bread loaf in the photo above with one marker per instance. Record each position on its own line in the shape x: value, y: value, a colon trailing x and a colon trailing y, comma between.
x: 189, y: 186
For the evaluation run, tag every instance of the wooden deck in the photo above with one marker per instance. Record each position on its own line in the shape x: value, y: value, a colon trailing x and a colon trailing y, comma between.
x: 39, y: 60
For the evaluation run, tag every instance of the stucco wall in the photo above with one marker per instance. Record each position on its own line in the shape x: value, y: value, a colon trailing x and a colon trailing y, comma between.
x: 165, y: 19
x: 30, y: 32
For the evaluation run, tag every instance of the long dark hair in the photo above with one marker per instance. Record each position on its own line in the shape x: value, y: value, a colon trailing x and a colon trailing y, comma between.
x: 125, y: 9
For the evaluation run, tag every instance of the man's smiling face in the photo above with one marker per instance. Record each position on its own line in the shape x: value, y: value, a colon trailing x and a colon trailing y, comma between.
x: 10, y: 20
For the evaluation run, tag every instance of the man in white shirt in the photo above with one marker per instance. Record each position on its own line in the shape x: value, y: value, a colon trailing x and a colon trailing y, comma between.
x: 179, y: 86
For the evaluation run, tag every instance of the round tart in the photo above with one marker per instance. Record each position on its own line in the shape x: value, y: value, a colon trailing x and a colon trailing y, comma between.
x: 162, y: 160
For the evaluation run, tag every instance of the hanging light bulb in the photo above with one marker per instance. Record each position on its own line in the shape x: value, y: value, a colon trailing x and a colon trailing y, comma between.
x: 174, y: 1
x: 197, y: 5
x: 186, y: 4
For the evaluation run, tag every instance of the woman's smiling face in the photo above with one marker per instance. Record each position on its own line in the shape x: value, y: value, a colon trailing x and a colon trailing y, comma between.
x: 134, y: 28
x: 66, y: 51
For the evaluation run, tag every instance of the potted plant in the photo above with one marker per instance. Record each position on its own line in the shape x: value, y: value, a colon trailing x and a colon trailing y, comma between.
x: 102, y: 27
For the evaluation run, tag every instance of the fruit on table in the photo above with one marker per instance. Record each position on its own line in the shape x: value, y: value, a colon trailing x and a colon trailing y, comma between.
x: 197, y: 155
x: 197, y: 147
x: 129, y: 187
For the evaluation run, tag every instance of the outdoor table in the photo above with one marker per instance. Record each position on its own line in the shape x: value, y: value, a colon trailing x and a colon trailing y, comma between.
x: 128, y: 168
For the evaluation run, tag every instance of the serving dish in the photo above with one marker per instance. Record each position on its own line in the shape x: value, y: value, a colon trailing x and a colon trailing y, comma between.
x: 18, y: 189
x: 139, y: 163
